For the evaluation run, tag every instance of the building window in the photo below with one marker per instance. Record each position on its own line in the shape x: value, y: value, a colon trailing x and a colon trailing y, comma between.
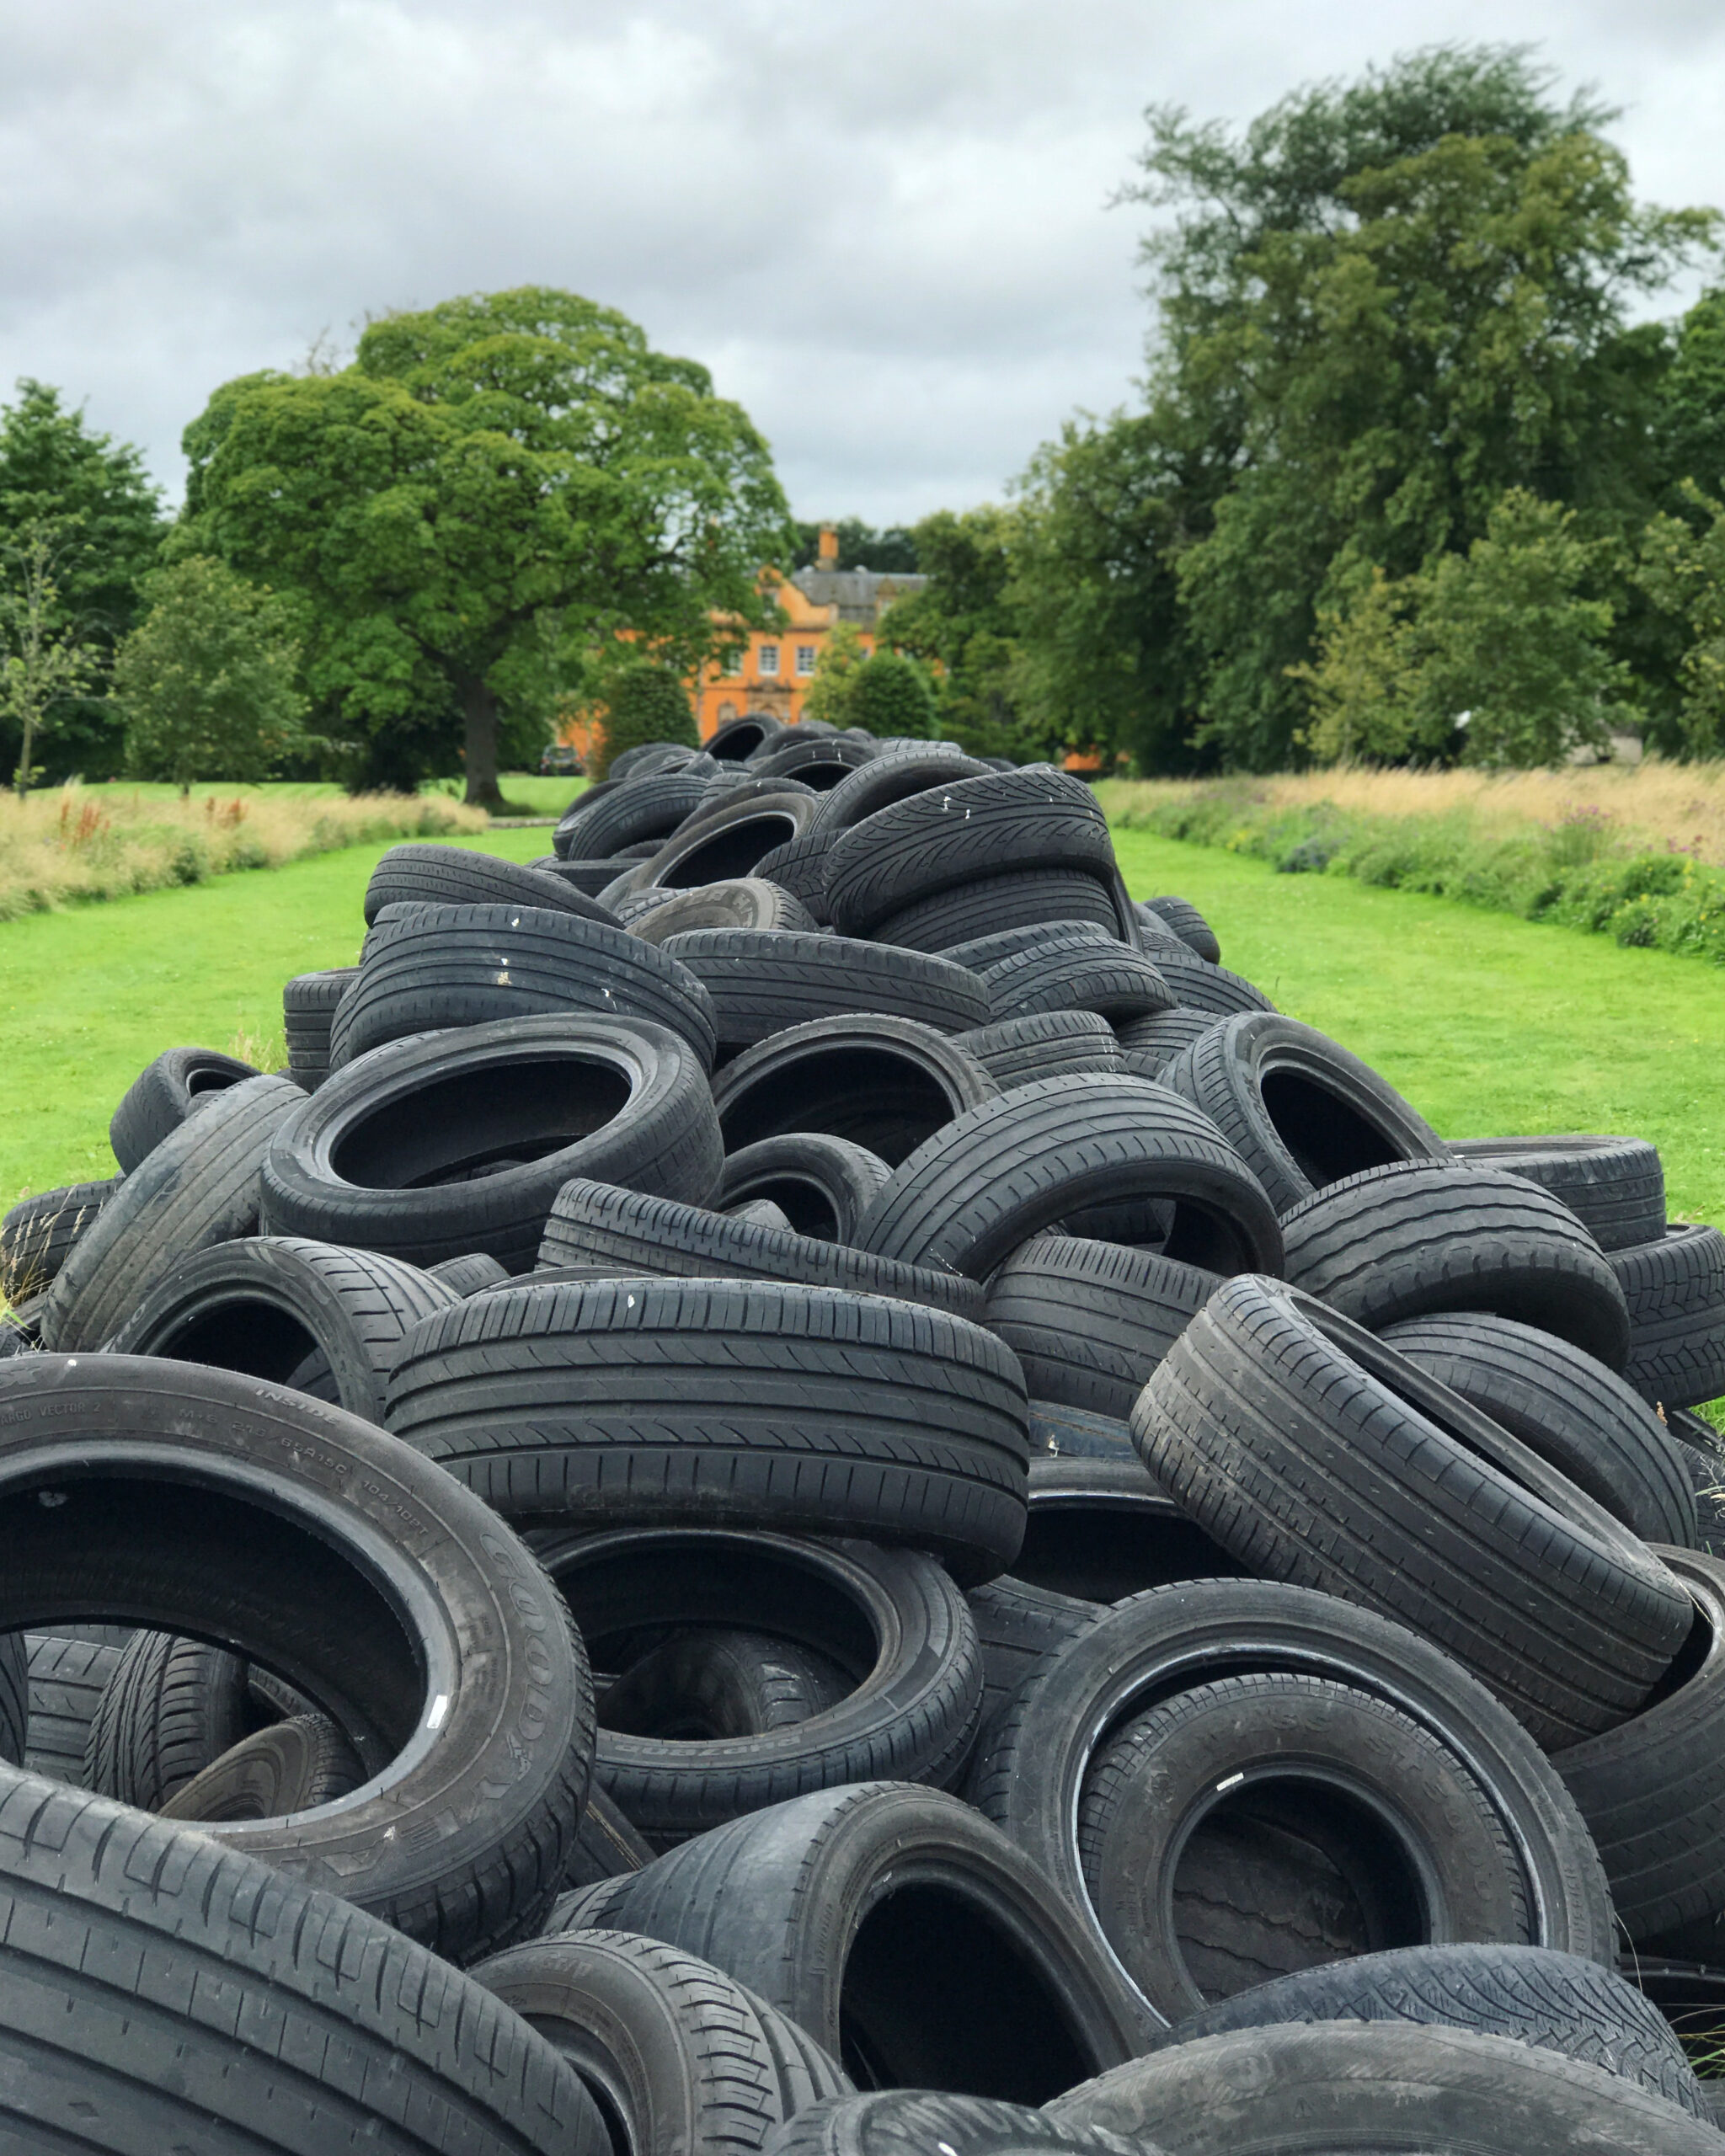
x: 768, y: 660
x: 805, y: 659
x: 734, y: 662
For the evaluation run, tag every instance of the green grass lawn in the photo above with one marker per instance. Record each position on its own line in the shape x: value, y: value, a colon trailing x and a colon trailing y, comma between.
x: 1486, y: 1022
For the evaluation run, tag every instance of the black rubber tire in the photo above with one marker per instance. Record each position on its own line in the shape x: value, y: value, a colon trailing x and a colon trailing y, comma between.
x: 384, y: 1156
x: 200, y: 1186
x: 896, y: 1674
x: 726, y: 835
x: 647, y: 757
x: 887, y: 1084
x: 308, y: 1007
x: 820, y: 760
x: 1049, y: 1044
x: 170, y: 1707
x: 799, y: 867
x: 1616, y: 1186
x: 1057, y: 1431
x: 589, y: 878
x: 1149, y: 1045
x: 470, y: 1274
x: 1091, y: 1321
x: 1318, y: 1455
x: 1198, y: 986
x: 747, y: 902
x: 605, y: 1845
x: 67, y: 1678
x: 1300, y: 1110
x: 1275, y: 1821
x: 719, y: 1403
x: 892, y: 776
x: 1310, y: 2088
x: 738, y: 738
x: 124, y: 1930
x: 1690, y: 1995
x: 630, y: 813
x: 263, y: 1305
x: 1108, y: 977
x: 1019, y: 1628
x: 457, y: 876
x: 1173, y: 1638
x: 913, y: 2121
x: 1188, y: 924
x: 905, y: 1933
x: 462, y: 966
x: 1100, y: 1529
x: 994, y: 949
x: 1557, y: 2002
x: 823, y: 1185
x: 1420, y: 1237
x: 325, y: 1550
x: 762, y: 984
x: 37, y: 1234
x: 164, y: 1093
x: 683, y: 2058
x: 719, y: 1681
x: 1039, y: 897
x: 1036, y: 818
x: 1578, y: 1416
x: 595, y: 1224
x: 1005, y: 1170
x: 293, y: 1765
x: 1674, y: 1289
x: 1650, y: 1790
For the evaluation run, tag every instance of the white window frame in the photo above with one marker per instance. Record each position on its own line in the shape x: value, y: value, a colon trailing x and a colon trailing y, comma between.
x: 767, y: 658
x: 805, y: 659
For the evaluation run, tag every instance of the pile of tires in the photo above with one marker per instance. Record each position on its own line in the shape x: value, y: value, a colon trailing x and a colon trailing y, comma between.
x: 807, y: 1485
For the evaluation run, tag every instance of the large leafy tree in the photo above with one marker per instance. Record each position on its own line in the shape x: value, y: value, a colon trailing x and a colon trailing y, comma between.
x: 88, y: 499
x: 1380, y: 308
x: 964, y: 622
x: 493, y: 494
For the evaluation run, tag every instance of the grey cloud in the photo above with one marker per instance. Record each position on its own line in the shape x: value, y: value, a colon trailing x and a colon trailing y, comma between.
x: 884, y: 227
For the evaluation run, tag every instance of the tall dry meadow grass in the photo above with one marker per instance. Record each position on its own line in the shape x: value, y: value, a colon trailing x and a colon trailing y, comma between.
x: 73, y: 842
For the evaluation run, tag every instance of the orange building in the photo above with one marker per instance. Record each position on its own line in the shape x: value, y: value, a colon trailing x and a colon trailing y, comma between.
x: 772, y: 673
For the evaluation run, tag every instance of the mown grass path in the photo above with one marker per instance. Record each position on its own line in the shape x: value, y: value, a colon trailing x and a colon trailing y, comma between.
x: 1486, y: 1022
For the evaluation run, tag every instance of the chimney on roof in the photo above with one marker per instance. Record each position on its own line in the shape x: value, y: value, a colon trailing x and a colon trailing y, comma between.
x: 828, y: 558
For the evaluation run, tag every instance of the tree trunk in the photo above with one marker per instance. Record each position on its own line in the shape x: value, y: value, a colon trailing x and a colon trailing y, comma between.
x: 479, y: 709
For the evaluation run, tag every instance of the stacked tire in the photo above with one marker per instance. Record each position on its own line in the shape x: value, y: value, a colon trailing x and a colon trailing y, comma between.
x: 806, y: 1484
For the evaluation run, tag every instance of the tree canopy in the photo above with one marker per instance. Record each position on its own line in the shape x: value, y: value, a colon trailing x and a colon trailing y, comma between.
x: 89, y: 500
x: 1380, y: 309
x: 474, y: 511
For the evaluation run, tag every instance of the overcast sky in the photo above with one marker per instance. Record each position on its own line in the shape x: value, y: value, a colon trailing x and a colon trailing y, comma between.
x: 884, y: 227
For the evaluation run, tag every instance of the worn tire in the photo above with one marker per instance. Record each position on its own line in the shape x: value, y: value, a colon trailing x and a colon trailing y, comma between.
x: 1309, y: 2089
x: 1168, y: 1641
x: 1275, y: 1821
x: 458, y: 1142
x: 1674, y: 1289
x: 1300, y: 1110
x: 1090, y: 1322
x: 124, y: 1932
x: 164, y: 1093
x: 265, y: 1304
x: 457, y: 876
x: 465, y: 965
x: 680, y: 2055
x: 1047, y: 1044
x: 1317, y: 1455
x: 67, y: 1679
x: 1100, y: 1529
x: 735, y: 1403
x: 308, y: 1007
x: 905, y: 1933
x: 38, y: 1233
x: 320, y: 1548
x: 595, y: 1224
x: 762, y: 984
x: 887, y: 1084
x: 887, y: 1628
x: 1104, y: 977
x: 823, y: 1185
x: 1039, y: 897
x: 1198, y: 986
x: 799, y: 867
x: 747, y: 903
x: 198, y: 1187
x: 1184, y: 919
x: 912, y: 2122
x: 1421, y: 1237
x: 1013, y: 1166
x: 1578, y: 1416
x: 1616, y: 1186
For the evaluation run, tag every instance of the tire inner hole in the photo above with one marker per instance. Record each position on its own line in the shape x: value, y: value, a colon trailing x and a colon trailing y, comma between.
x: 450, y: 1127
x: 1328, y: 1137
